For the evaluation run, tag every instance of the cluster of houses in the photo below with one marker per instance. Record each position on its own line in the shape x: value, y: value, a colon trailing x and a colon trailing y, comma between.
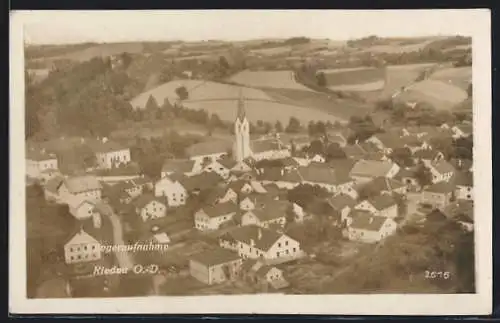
x: 241, y: 193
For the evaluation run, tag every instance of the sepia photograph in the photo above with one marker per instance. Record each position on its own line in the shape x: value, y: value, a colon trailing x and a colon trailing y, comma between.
x: 251, y: 161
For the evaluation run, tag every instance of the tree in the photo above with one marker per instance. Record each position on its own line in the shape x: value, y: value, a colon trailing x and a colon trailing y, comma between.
x: 126, y: 59
x: 321, y: 79
x: 278, y: 127
x: 151, y: 105
x: 315, y: 148
x: 423, y: 175
x: 224, y: 64
x: 334, y: 151
x: 311, y: 128
x: 402, y: 157
x: 293, y: 125
x: 320, y: 128
x: 182, y: 92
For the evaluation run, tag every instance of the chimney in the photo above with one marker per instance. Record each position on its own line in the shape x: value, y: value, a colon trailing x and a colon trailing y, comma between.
x: 259, y: 234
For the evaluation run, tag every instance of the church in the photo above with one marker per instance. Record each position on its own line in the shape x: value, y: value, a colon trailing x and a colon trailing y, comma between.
x: 242, y: 148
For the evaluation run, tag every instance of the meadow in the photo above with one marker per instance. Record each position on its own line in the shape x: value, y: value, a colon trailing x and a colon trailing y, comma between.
x: 457, y: 76
x: 268, y: 79
x: 440, y: 94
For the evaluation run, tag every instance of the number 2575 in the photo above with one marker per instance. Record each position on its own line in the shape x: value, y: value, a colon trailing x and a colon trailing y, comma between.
x: 437, y: 274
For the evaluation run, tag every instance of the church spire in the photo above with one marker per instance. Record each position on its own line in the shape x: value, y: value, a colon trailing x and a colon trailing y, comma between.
x: 241, y: 114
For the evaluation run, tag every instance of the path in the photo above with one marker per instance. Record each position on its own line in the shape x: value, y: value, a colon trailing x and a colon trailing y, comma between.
x: 123, y: 257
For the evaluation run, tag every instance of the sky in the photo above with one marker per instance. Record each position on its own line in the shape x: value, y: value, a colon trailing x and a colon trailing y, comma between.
x: 60, y: 27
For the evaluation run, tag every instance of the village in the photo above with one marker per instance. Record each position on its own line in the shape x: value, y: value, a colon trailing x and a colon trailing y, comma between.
x: 238, y: 218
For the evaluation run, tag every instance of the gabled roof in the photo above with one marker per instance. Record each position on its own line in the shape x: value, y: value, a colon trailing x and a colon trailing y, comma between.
x: 389, y: 140
x: 215, y: 257
x: 354, y: 151
x: 263, y: 238
x: 441, y: 187
x: 178, y: 166
x: 366, y: 221
x: 323, y: 175
x: 381, y: 184
x: 428, y: 154
x: 371, y: 168
x: 266, y: 214
x: 143, y: 200
x: 101, y: 146
x: 220, y: 209
x: 339, y: 201
x: 205, y: 180
x: 382, y: 202
x: 82, y: 237
x: 227, y: 162
x: 463, y: 179
x: 443, y: 167
x: 80, y: 184
x: 215, y: 194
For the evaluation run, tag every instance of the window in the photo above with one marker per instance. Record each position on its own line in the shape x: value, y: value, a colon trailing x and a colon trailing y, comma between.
x: 286, y: 243
x: 469, y: 196
x: 71, y: 257
x: 294, y: 249
x: 93, y: 247
x: 79, y: 257
x: 277, y: 254
x: 85, y: 248
x: 71, y: 249
x: 279, y: 245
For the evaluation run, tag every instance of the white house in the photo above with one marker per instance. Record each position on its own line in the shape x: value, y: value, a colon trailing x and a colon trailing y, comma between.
x: 212, y: 217
x: 110, y: 154
x: 82, y: 247
x: 172, y: 190
x: 318, y: 159
x: 264, y: 217
x: 381, y: 205
x: 441, y: 170
x: 366, y: 170
x: 39, y: 161
x: 341, y: 205
x: 254, y: 242
x: 81, y: 188
x: 149, y: 207
x: 370, y: 228
x: 464, y: 189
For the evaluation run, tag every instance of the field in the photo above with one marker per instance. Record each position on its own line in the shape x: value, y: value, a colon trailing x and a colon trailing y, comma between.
x: 397, y: 48
x: 270, y: 111
x: 398, y: 76
x: 268, y: 79
x: 38, y: 74
x: 272, y: 51
x: 440, y: 94
x: 458, y: 76
x: 100, y: 50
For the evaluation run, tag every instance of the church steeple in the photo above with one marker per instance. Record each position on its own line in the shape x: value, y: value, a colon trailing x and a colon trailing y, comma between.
x: 241, y: 149
x: 241, y: 114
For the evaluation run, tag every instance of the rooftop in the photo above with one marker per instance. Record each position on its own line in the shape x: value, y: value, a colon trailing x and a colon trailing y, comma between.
x: 215, y: 257
x: 80, y: 184
x: 220, y: 209
x: 366, y: 221
x: 262, y: 238
x: 382, y: 202
x: 178, y: 166
x: 371, y: 168
x: 463, y: 179
x: 441, y: 187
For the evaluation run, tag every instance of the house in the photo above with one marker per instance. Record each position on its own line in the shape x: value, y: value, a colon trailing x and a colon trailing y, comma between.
x: 366, y: 170
x: 264, y: 217
x: 149, y: 207
x: 381, y: 205
x: 215, y: 266
x: 82, y: 210
x: 407, y: 176
x: 462, y: 131
x: 386, y: 142
x: 82, y: 247
x: 178, y: 166
x: 130, y: 187
x: 298, y: 213
x: 341, y: 205
x: 213, y: 216
x: 172, y: 190
x: 370, y: 228
x: 269, y: 149
x: 427, y: 156
x: 254, y: 242
x: 267, y: 277
x: 161, y: 238
x: 218, y: 168
x: 38, y: 161
x: 384, y: 185
x: 326, y: 177
x: 464, y: 186
x: 234, y: 166
x: 317, y: 158
x: 441, y: 171
x: 85, y: 187
x: 110, y: 154
x: 200, y: 182
x: 438, y: 195
x: 243, y: 187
